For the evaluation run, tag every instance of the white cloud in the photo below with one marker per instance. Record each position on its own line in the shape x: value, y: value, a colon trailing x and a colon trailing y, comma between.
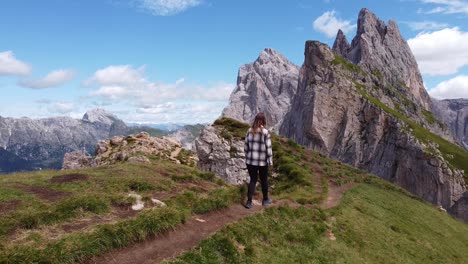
x: 329, y: 24
x: 124, y: 83
x: 61, y: 107
x: 117, y: 75
x: 426, y: 25
x: 441, y: 52
x: 53, y: 79
x: 9, y: 65
x: 178, y: 112
x: 447, y: 6
x: 451, y: 89
x: 180, y: 101
x: 167, y: 7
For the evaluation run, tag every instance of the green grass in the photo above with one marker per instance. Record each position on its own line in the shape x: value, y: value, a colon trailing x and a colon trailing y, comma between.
x: 278, y: 235
x: 379, y: 225
x: 375, y: 223
x: 295, y: 180
x: 349, y: 66
x: 376, y: 215
x: 184, y: 157
x: 80, y: 246
x: 104, y: 191
x: 232, y: 128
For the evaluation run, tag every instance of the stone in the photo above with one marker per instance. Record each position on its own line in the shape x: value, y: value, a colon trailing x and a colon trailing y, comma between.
x: 460, y: 208
x: 76, y: 160
x: 381, y: 49
x: 136, y: 149
x: 117, y: 140
x: 454, y: 114
x: 138, y: 159
x: 158, y: 203
x: 215, y: 155
x: 341, y: 45
x: 139, y: 204
x: 266, y: 85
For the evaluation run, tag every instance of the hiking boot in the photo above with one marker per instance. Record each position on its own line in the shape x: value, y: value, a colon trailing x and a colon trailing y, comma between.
x: 266, y: 202
x: 248, y: 205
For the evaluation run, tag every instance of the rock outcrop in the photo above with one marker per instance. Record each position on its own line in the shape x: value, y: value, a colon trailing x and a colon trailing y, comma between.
x: 266, y: 85
x: 76, y: 160
x: 187, y: 135
x: 341, y: 44
x: 222, y: 156
x: 454, y: 114
x: 460, y: 208
x: 339, y: 110
x: 133, y: 149
x: 381, y: 49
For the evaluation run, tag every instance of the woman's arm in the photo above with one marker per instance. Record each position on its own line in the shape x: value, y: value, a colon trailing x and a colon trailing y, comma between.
x: 246, y: 144
x: 269, y: 149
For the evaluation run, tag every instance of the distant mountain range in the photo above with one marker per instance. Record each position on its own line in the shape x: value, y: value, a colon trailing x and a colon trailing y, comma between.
x: 32, y: 144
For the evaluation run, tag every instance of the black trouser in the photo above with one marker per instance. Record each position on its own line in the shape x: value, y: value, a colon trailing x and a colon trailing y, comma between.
x: 254, y: 171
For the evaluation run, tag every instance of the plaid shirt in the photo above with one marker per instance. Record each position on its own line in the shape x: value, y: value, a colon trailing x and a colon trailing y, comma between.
x: 257, y: 148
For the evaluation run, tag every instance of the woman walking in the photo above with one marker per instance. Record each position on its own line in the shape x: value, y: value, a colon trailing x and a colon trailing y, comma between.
x: 258, y: 156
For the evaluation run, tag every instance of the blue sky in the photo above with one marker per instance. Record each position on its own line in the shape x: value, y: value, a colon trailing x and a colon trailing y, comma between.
x: 177, y: 60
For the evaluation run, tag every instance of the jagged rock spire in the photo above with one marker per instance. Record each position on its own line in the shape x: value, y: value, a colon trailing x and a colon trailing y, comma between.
x: 381, y: 48
x: 266, y: 85
x: 341, y: 44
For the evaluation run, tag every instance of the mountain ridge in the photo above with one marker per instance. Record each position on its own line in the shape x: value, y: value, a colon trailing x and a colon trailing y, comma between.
x: 367, y: 107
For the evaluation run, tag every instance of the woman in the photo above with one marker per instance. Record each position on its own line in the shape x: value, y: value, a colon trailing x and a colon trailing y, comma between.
x: 258, y: 156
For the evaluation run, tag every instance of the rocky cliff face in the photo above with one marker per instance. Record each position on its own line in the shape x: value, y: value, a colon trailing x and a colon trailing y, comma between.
x: 224, y: 156
x: 454, y: 114
x: 340, y: 110
x: 43, y: 142
x: 266, y: 85
x: 381, y: 49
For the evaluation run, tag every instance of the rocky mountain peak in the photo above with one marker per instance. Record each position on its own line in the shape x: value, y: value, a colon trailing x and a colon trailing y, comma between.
x: 266, y: 85
x: 341, y: 44
x: 270, y: 55
x: 99, y: 115
x: 382, y: 50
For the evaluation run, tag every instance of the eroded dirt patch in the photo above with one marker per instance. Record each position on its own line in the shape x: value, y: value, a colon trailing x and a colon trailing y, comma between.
x: 335, y: 193
x: 43, y: 193
x: 69, y: 178
x: 9, y: 206
x: 174, y: 243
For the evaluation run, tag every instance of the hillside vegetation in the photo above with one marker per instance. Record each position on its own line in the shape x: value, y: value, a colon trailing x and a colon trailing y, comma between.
x: 70, y: 216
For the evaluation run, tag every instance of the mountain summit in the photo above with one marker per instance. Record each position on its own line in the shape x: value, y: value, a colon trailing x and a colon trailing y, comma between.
x: 381, y: 49
x: 99, y: 115
x: 266, y: 85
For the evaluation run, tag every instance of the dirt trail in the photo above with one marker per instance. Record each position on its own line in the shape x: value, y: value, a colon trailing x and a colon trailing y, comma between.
x: 197, y: 228
x: 335, y: 193
x: 178, y: 241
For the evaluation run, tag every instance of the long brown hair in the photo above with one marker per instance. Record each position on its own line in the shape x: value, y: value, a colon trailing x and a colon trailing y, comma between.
x: 258, y: 122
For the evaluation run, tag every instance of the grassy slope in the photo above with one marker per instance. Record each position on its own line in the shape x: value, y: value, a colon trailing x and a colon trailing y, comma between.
x: 369, y: 214
x: 376, y: 222
x: 373, y: 224
x: 34, y: 232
